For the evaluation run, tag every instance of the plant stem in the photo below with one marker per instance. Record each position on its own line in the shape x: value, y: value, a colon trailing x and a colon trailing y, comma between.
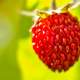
x: 75, y: 1
x: 53, y: 4
x: 26, y: 13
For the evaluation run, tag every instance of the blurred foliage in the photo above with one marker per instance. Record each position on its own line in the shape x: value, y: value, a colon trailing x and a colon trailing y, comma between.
x: 39, y: 4
x: 10, y: 21
x: 76, y: 12
x: 25, y: 24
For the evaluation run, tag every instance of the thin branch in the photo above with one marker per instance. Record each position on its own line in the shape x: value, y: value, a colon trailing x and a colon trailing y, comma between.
x: 36, y: 12
x: 26, y: 13
x: 69, y: 6
x: 75, y: 1
x: 75, y: 5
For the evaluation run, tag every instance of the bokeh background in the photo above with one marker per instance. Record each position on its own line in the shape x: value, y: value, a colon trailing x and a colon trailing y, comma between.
x: 18, y: 60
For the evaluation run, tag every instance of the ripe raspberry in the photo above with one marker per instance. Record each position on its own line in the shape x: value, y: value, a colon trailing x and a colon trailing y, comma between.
x: 56, y: 40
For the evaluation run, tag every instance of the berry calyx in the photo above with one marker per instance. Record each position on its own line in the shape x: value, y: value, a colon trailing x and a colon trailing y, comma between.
x: 56, y: 40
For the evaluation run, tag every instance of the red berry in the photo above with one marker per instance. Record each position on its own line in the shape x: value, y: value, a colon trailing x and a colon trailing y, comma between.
x: 56, y: 40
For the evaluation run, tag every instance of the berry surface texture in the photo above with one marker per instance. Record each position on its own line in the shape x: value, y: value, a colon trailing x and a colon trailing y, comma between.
x: 56, y: 40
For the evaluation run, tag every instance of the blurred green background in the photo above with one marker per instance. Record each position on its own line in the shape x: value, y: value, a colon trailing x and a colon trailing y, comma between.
x: 18, y: 60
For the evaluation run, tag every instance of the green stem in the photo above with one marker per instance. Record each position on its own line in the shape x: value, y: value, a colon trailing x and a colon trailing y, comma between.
x: 53, y: 5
